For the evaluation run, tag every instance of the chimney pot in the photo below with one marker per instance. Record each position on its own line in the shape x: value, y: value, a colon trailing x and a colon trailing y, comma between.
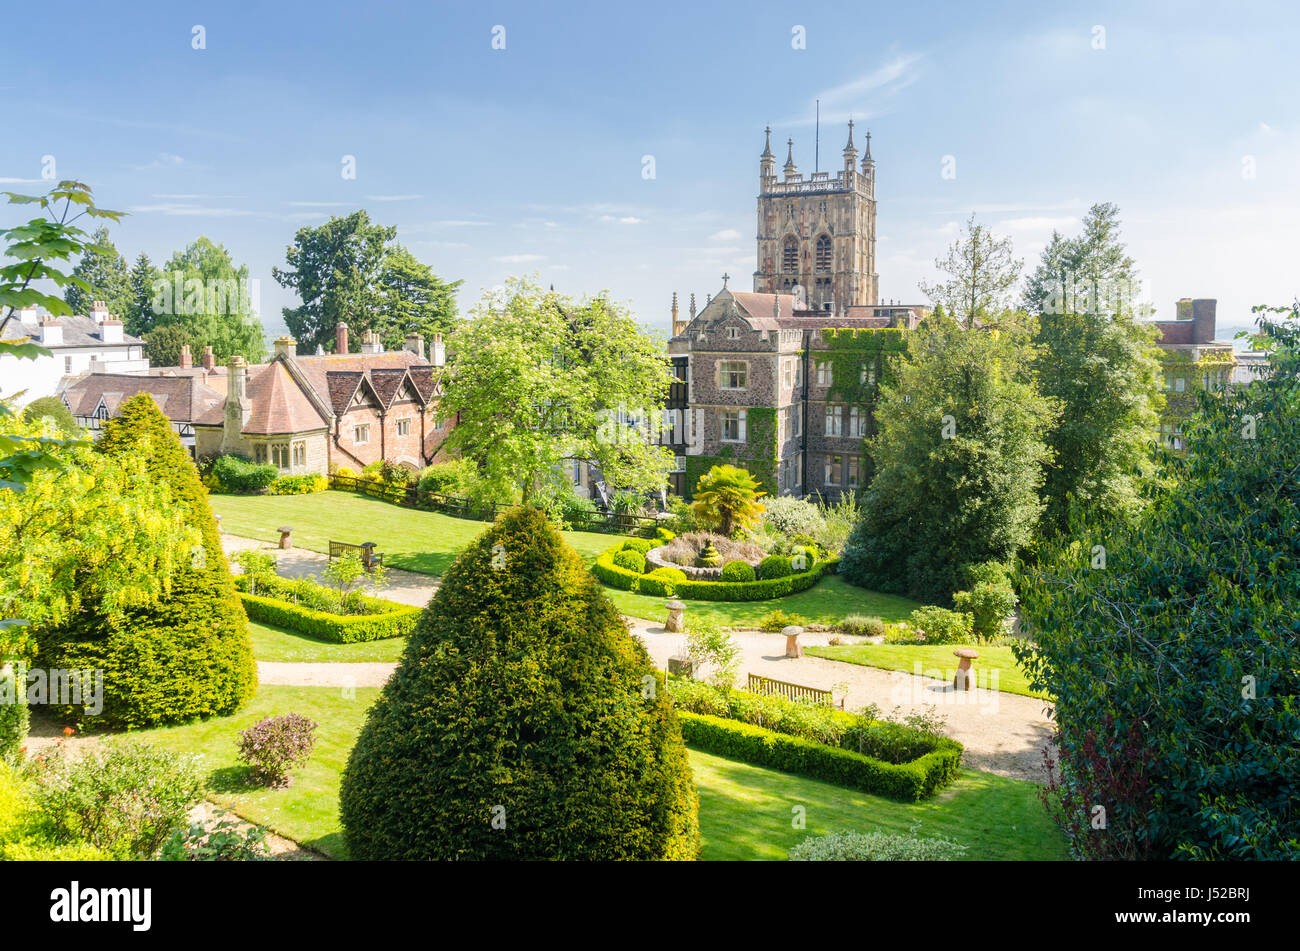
x: 187, y: 360
x: 209, y: 361
x: 341, y: 337
x: 286, y: 346
x: 415, y: 344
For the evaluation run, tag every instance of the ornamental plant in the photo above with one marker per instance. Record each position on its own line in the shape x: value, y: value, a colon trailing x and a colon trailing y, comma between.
x: 275, y: 746
x: 524, y: 722
x: 726, y: 498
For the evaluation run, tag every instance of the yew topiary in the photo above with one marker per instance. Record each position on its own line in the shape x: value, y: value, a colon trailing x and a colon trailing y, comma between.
x: 524, y: 722
x: 190, y: 654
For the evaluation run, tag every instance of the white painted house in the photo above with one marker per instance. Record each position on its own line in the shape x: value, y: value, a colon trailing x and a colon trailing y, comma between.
x: 78, y: 345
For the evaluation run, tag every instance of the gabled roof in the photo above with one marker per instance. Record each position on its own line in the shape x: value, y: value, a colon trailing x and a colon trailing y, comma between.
x: 278, y: 404
x: 181, y: 399
x: 77, y: 332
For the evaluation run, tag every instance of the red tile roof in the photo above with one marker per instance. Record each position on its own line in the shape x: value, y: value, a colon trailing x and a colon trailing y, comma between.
x: 278, y: 404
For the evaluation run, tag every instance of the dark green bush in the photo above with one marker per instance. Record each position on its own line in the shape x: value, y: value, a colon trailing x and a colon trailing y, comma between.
x: 737, y: 571
x: 189, y: 656
x: 617, y: 576
x: 237, y: 474
x: 774, y: 566
x: 524, y: 722
x: 863, y: 625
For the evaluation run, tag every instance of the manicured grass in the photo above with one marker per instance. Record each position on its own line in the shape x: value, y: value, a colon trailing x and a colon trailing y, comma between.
x: 746, y: 812
x: 275, y: 644
x: 308, y: 811
x: 427, y: 542
x: 830, y: 600
x: 937, y: 661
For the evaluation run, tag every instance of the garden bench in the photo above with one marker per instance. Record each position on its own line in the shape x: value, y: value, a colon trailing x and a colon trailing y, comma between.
x: 369, y: 557
x: 768, y: 687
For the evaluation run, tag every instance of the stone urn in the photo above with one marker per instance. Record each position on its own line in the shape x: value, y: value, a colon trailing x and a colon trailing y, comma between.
x: 676, y: 622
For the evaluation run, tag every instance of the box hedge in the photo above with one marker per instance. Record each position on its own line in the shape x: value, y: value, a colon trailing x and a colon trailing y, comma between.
x: 907, y: 782
x: 384, y: 619
x: 616, y: 576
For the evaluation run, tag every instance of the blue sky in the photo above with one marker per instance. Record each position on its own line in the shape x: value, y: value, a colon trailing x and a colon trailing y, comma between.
x: 498, y: 162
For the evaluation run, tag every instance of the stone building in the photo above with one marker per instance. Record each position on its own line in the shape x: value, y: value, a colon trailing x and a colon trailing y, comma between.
x: 1193, y: 360
x: 782, y: 381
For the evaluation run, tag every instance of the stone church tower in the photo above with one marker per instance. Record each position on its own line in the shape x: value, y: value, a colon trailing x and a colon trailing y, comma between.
x: 818, y: 233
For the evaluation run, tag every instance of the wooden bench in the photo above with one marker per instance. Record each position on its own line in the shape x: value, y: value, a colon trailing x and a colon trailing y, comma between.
x: 369, y: 557
x: 768, y: 687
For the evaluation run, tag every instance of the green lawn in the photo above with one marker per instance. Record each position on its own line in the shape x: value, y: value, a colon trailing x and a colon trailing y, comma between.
x: 427, y: 542
x: 937, y: 661
x: 274, y: 644
x: 745, y: 811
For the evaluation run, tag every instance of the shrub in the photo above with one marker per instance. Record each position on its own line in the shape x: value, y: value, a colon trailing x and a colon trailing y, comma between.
x: 774, y: 566
x: 778, y: 620
x: 663, y: 536
x: 662, y: 582
x: 237, y: 474
x: 378, y: 619
x: 875, y: 847
x: 709, y: 644
x: 345, y: 471
x: 941, y: 626
x: 25, y: 835
x: 124, y: 799
x: 299, y: 485
x: 520, y: 699
x: 726, y: 498
x: 631, y: 560
x: 618, y: 577
x: 863, y: 625
x: 456, y: 478
x: 990, y: 600
x: 14, y: 717
x: 793, y: 516
x: 53, y: 409
x: 189, y: 655
x: 738, y: 571
x: 641, y: 545
x: 276, y: 745
x: 227, y: 841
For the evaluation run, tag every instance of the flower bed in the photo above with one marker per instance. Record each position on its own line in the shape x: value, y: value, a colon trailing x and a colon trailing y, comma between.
x: 379, y: 618
x: 624, y: 578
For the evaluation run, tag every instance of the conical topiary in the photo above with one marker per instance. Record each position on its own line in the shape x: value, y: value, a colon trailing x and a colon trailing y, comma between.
x: 524, y: 722
x: 708, y: 557
x: 186, y: 657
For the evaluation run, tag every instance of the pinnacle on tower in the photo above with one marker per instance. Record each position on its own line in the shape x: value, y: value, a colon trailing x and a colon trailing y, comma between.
x: 692, y: 306
x: 867, y: 160
x: 850, y: 147
x: 767, y: 144
x: 790, y: 169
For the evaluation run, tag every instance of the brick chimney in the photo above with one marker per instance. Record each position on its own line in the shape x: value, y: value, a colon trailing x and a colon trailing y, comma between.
x: 51, y: 329
x: 28, y: 314
x: 1203, y: 317
x: 237, y: 407
x: 437, y: 351
x: 341, y: 337
x: 209, y: 361
x: 287, y: 347
x: 187, y: 360
x: 110, y: 328
x: 415, y: 344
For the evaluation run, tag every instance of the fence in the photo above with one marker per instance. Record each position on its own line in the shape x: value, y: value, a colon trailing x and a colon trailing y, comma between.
x: 796, y: 692
x: 458, y: 507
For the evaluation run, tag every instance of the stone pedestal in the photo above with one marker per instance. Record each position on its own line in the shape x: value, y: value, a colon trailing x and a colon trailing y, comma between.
x: 965, y: 678
x: 792, y: 648
x: 676, y: 622
x: 286, y: 537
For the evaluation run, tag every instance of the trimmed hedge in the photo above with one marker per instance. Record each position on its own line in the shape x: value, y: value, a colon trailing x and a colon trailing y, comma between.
x: 906, y: 782
x: 629, y: 559
x: 641, y: 545
x: 616, y: 576
x: 383, y: 618
x: 299, y: 485
x: 775, y: 566
x: 738, y: 571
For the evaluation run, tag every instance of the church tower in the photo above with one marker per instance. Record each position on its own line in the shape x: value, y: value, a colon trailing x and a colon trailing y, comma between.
x: 819, y: 232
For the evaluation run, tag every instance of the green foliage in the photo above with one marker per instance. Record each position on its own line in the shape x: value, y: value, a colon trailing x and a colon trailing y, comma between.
x: 777, y: 620
x: 738, y: 571
x: 793, y: 516
x: 236, y: 474
x: 415, y: 300
x: 908, y: 782
x: 774, y: 566
x: 663, y: 536
x: 298, y: 485
x: 709, y: 644
x: 630, y: 559
x: 25, y: 835
x: 125, y: 799
x: 214, y: 307
x: 863, y: 625
x: 1089, y: 274
x: 937, y: 625
x: 726, y: 498
x: 186, y: 656
x: 982, y: 273
x: 101, y: 275
x: 617, y: 576
x: 641, y: 545
x: 541, y: 378
x: 521, y: 688
x: 14, y: 717
x: 990, y: 600
x: 1174, y: 665
x: 226, y: 841
x: 709, y: 556
x: 138, y: 318
x: 274, y: 746
x: 958, y: 460
x: 876, y: 847
x: 316, y: 611
x: 52, y: 408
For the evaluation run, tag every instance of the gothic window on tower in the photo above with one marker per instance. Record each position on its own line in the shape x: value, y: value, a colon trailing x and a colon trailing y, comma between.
x: 790, y: 255
x: 824, y: 253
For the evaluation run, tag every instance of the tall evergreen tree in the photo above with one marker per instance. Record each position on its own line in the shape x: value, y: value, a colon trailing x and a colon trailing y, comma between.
x: 415, y: 300
x: 1089, y: 273
x: 139, y: 317
x: 958, y: 462
x: 102, y: 267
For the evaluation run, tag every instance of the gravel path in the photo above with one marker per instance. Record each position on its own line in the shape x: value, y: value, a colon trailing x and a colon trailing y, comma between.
x: 1003, y: 733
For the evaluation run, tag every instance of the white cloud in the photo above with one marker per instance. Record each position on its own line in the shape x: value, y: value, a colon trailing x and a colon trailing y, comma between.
x: 865, y: 96
x: 393, y: 197
x: 1040, y: 224
x: 726, y: 234
x: 520, y: 258
x: 177, y: 208
x: 624, y: 220
x: 160, y: 161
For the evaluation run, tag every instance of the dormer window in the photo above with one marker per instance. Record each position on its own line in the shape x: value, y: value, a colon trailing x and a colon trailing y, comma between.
x: 733, y: 333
